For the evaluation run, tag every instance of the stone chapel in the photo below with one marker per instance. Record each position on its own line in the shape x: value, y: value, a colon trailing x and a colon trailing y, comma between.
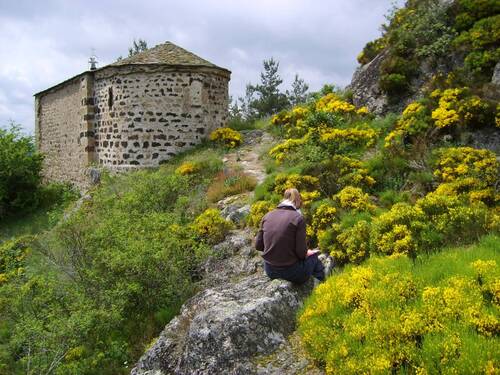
x: 134, y: 113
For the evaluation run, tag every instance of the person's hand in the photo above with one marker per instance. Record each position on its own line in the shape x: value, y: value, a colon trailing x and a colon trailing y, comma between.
x: 312, y: 252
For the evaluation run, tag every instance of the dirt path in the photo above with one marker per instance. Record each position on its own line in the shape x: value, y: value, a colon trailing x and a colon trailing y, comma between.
x: 247, y: 156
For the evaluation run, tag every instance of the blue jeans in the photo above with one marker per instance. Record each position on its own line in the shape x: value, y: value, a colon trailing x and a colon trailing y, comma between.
x: 299, y: 272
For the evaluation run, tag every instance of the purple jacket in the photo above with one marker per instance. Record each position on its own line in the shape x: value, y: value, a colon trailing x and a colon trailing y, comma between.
x: 282, y: 237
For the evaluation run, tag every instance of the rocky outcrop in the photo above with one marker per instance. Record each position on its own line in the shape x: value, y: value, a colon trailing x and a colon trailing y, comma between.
x: 239, y: 317
x: 365, y: 88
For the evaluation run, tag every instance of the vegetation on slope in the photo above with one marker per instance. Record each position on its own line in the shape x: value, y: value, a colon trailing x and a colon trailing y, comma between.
x: 439, y: 314
x: 87, y: 296
x: 460, y: 36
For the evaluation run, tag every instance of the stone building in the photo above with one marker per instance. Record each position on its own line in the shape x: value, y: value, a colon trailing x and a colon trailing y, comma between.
x: 137, y: 112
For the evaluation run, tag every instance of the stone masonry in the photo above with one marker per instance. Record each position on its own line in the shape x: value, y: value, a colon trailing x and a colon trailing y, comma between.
x: 135, y: 113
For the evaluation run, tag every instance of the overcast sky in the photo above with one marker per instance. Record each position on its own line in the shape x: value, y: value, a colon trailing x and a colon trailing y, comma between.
x: 47, y: 41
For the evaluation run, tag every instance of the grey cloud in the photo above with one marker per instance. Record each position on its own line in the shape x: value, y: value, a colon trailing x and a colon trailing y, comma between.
x: 49, y: 41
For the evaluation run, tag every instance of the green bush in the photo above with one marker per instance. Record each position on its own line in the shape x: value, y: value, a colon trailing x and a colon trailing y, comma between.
x: 394, y: 84
x: 109, y: 276
x: 20, y: 172
x: 396, y: 316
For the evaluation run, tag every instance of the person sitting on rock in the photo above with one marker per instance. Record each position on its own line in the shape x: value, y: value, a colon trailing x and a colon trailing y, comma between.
x: 282, y: 239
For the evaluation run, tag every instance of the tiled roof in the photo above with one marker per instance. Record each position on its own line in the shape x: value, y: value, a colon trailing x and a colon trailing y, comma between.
x: 166, y: 54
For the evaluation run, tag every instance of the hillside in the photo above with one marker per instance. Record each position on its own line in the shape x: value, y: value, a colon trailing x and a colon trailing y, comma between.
x: 155, y: 272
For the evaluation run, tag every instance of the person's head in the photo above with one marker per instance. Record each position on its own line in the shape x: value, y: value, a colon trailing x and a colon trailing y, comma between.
x: 293, y: 195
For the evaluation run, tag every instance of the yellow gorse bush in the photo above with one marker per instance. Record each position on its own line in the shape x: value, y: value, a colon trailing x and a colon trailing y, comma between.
x: 464, y: 162
x: 334, y: 104
x: 294, y: 180
x: 211, y: 226
x: 350, y: 137
x: 257, y: 212
x: 280, y: 151
x: 226, y: 136
x: 187, y: 168
x: 392, y: 315
x: 456, y: 106
x: 414, y: 120
x: 353, y: 198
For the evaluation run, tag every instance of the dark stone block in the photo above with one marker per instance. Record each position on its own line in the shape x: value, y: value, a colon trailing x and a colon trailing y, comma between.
x: 180, y: 144
x: 140, y: 156
x: 145, y: 145
x: 200, y: 130
x: 160, y: 136
x: 134, y: 162
x: 155, y: 144
x: 126, y: 156
x: 155, y: 155
x: 88, y: 101
x: 137, y: 119
x: 133, y: 137
x: 137, y: 144
x: 124, y: 144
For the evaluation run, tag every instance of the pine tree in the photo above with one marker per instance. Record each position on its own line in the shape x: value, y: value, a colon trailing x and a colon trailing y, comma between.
x: 269, y: 98
x: 298, y: 94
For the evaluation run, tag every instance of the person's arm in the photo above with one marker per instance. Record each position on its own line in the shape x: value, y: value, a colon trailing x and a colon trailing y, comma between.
x: 300, y: 240
x: 259, y: 240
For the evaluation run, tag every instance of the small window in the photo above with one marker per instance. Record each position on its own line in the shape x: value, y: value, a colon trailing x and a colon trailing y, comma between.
x: 110, y: 97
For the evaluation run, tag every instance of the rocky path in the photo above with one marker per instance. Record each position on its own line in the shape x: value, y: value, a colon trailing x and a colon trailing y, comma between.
x: 240, y: 322
x: 247, y: 156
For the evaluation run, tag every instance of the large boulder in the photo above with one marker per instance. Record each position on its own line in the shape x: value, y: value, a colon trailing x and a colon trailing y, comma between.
x: 221, y: 329
x: 365, y: 88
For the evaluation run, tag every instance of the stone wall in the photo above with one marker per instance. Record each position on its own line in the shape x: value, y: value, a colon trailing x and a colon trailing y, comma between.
x: 144, y: 115
x: 62, y: 122
x: 127, y: 117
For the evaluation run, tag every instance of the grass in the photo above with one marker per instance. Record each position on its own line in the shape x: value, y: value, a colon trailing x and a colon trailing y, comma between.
x: 228, y: 183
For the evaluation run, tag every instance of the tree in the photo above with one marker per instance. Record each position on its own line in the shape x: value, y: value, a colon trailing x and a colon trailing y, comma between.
x: 298, y: 94
x: 269, y: 98
x: 20, y: 171
x: 137, y: 47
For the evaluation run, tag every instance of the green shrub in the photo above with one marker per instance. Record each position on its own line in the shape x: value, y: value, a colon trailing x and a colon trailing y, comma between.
x: 394, y: 84
x: 393, y: 315
x: 111, y: 275
x: 20, y: 172
x: 371, y: 50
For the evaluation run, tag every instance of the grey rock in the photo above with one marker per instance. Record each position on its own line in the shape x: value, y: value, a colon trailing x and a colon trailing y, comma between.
x: 94, y: 175
x: 221, y: 329
x: 365, y: 88
x: 495, y: 79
